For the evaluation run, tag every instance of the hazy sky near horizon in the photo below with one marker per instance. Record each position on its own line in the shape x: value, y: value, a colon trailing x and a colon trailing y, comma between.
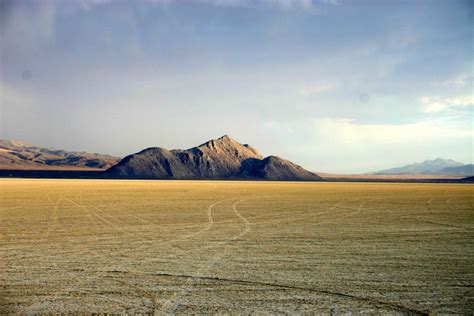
x: 333, y: 85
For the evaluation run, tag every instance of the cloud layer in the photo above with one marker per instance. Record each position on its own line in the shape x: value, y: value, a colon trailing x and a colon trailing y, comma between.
x: 311, y: 81
x: 437, y: 104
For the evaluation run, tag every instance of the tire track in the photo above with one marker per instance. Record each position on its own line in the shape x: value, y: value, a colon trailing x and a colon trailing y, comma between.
x: 55, y: 206
x: 436, y: 223
x: 101, y: 218
x: 39, y: 301
x: 152, y: 242
x: 247, y: 227
x: 334, y: 207
x: 449, y: 199
x: 91, y: 216
x: 218, y: 244
x: 209, y: 225
x: 371, y: 301
x: 107, y: 223
x: 51, y: 227
x: 149, y: 295
x: 135, y: 233
x: 171, y: 304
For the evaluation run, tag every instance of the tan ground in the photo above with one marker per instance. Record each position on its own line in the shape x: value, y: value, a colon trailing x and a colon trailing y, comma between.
x: 80, y: 246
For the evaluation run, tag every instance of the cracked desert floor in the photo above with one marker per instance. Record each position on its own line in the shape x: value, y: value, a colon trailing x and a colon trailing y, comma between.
x: 165, y: 247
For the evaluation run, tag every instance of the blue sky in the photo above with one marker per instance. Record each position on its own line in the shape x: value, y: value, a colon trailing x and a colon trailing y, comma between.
x: 333, y: 85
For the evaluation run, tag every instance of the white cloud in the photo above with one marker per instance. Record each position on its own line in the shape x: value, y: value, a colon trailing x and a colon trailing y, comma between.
x: 344, y: 145
x: 347, y: 131
x: 458, y: 81
x: 437, y: 104
x: 341, y: 131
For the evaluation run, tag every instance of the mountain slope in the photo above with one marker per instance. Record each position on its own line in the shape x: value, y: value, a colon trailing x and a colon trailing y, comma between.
x: 425, y: 167
x: 467, y: 170
x: 21, y: 155
x: 468, y: 179
x: 222, y: 158
x: 275, y: 168
x: 219, y: 158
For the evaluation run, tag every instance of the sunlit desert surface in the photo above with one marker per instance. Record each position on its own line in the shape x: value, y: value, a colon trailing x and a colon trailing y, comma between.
x: 155, y: 247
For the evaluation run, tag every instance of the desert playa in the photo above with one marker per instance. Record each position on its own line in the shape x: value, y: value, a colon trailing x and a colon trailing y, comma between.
x: 154, y: 247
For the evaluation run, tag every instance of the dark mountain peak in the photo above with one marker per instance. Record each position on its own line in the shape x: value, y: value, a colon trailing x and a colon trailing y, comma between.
x: 220, y: 158
x: 225, y: 137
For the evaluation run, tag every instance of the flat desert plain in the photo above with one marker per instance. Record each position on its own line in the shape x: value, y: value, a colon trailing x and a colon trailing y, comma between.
x: 165, y: 247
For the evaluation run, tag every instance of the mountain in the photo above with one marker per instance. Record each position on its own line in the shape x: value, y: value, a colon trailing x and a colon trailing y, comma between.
x: 425, y: 167
x: 465, y: 170
x: 21, y: 155
x: 222, y: 158
x: 274, y: 168
x: 468, y: 179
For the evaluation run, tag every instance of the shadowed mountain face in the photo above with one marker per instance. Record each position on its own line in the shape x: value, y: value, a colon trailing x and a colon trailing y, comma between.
x: 468, y: 179
x: 275, y: 168
x: 20, y: 155
x: 222, y: 158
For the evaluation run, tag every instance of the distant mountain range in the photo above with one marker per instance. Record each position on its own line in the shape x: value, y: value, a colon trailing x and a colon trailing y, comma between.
x: 437, y: 166
x: 21, y: 155
x: 222, y: 158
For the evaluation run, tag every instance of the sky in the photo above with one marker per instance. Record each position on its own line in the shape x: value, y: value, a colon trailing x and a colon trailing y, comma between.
x: 339, y: 86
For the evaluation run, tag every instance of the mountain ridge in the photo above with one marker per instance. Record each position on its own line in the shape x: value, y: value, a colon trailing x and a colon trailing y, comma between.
x: 434, y: 166
x: 467, y: 170
x: 16, y: 154
x: 221, y: 158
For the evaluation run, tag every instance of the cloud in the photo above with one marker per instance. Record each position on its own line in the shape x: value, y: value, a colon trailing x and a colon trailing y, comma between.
x: 348, y: 131
x: 458, y: 81
x: 422, y: 130
x: 155, y: 59
x: 345, y: 145
x: 437, y: 104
